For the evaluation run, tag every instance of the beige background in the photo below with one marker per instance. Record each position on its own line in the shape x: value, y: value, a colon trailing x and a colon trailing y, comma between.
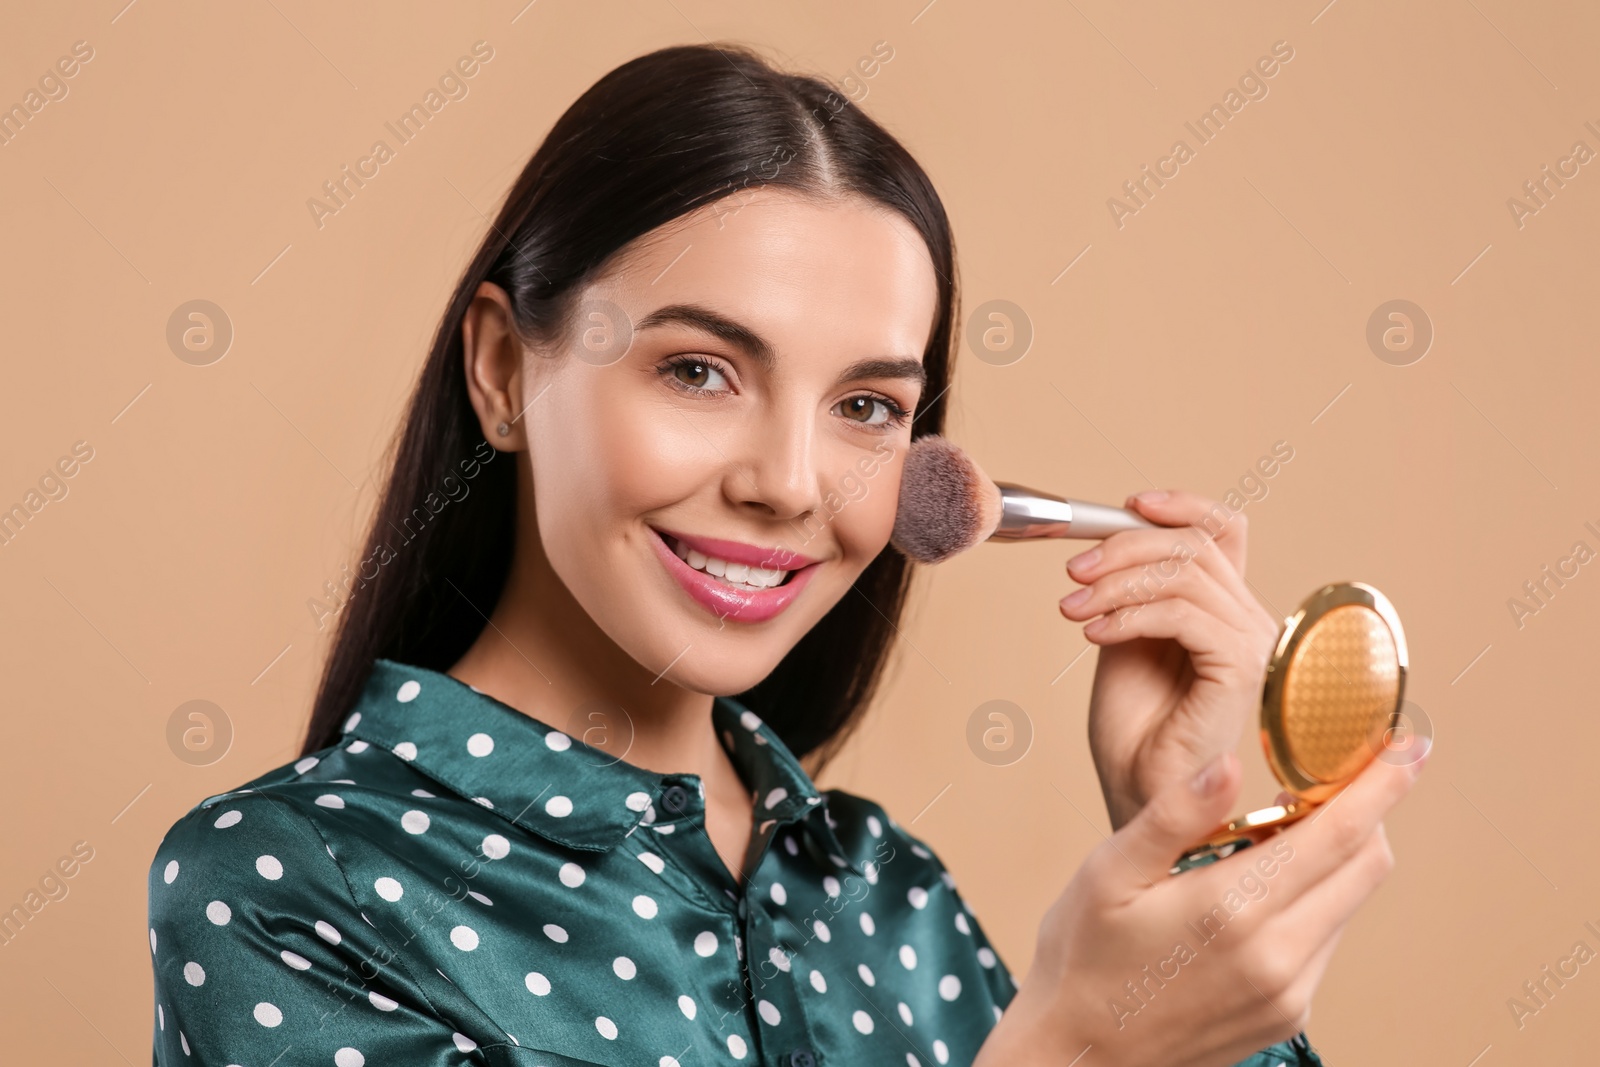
x: 1228, y: 314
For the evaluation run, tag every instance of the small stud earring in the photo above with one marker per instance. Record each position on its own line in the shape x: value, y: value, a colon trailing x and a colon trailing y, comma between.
x: 503, y: 429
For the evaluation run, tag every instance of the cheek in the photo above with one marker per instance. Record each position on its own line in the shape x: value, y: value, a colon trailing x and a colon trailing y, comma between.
x: 604, y: 452
x: 863, y: 500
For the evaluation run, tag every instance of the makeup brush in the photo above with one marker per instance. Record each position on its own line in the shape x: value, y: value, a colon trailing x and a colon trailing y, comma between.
x: 948, y: 505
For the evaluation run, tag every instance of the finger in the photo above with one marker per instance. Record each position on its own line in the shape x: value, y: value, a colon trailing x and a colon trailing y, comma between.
x: 1327, y: 839
x: 1206, y: 638
x: 1319, y: 912
x: 1141, y: 585
x: 1179, y: 507
x: 1183, y: 811
x: 1163, y: 548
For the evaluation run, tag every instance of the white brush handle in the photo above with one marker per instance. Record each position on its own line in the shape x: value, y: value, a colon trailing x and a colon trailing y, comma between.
x: 1029, y: 514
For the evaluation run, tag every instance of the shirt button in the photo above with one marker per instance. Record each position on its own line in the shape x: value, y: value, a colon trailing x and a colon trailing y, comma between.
x: 675, y: 799
x: 802, y: 1057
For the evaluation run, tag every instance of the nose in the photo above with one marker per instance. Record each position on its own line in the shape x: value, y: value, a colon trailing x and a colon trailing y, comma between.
x: 776, y: 473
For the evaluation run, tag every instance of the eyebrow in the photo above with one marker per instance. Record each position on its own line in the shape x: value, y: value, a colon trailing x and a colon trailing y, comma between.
x: 758, y: 349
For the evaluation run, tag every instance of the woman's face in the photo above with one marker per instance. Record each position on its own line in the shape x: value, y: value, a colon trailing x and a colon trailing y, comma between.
x: 738, y: 390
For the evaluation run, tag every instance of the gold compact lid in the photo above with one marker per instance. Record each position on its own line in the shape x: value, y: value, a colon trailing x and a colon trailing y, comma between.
x: 1333, y: 688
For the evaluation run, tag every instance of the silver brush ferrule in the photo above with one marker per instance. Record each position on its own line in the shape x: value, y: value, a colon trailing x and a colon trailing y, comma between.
x: 1028, y: 514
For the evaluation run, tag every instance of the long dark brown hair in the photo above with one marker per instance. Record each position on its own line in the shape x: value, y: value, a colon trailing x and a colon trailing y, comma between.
x: 655, y: 138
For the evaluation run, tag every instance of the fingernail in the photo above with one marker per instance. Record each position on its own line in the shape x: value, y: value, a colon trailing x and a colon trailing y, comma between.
x: 1151, y: 496
x: 1210, y: 777
x: 1077, y: 598
x: 1424, y: 746
x: 1083, y: 562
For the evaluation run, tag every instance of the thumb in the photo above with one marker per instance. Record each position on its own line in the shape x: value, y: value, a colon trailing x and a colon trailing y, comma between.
x: 1175, y: 818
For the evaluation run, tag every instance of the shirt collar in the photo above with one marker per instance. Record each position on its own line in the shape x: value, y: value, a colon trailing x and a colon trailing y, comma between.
x: 555, y: 785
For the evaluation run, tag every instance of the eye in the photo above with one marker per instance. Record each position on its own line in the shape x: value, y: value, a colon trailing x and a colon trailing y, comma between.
x: 695, y: 375
x: 892, y: 414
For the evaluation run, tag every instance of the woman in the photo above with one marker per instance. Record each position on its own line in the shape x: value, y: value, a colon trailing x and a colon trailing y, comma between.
x: 631, y: 563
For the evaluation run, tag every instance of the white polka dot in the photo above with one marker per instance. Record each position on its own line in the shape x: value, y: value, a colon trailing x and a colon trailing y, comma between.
x: 780, y: 895
x: 330, y: 800
x: 644, y: 906
x: 560, y: 807
x: 961, y: 923
x: 218, y: 912
x: 776, y: 797
x: 357, y: 747
x: 414, y: 822
x: 637, y: 801
x: 668, y: 1061
x: 268, y: 1014
x: 867, y: 925
x: 918, y: 897
x: 480, y: 744
x: 408, y: 691
x: 350, y: 723
x: 484, y: 801
x: 304, y: 765
x: 830, y: 885
x: 870, y: 871
x: 381, y: 1002
x: 866, y: 974
x: 769, y: 1012
x: 388, y: 889
x: 874, y: 827
x: 736, y: 1046
x: 557, y: 741
x: 496, y: 847
x: 653, y: 861
x: 790, y: 846
x: 779, y: 958
x: 537, y: 983
x: 949, y: 987
x: 349, y: 1057
x: 183, y: 1040
x: 819, y: 983
x: 571, y: 875
x: 750, y: 721
x: 421, y: 793
x: 905, y: 1013
x: 555, y: 933
x: 170, y: 872
x: 607, y: 1028
x: 295, y: 960
x: 406, y: 750
x: 940, y: 1051
x: 861, y: 1020
x: 161, y: 1017
x: 269, y: 868
x: 227, y: 819
x: 687, y: 1006
x: 194, y: 974
x: 463, y: 1042
x: 153, y: 936
x: 479, y: 897
x: 820, y: 928
x: 328, y: 933
x: 986, y: 956
x: 705, y: 943
x: 624, y: 967
x: 908, y: 957
x: 464, y: 938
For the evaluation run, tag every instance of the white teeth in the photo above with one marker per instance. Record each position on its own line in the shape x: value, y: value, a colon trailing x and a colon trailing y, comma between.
x: 735, y: 574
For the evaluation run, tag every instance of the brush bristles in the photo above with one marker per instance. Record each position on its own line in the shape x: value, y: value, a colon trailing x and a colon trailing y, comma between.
x: 947, y: 505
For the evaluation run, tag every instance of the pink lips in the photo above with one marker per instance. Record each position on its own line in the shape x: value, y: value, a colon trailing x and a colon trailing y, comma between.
x: 723, y: 600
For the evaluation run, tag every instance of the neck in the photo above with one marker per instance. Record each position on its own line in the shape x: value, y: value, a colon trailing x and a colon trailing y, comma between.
x: 542, y: 654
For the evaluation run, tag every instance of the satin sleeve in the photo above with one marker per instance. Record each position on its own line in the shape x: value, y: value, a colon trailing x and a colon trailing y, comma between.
x: 261, y: 955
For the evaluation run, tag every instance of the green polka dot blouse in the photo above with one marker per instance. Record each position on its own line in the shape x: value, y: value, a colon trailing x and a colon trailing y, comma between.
x: 455, y: 883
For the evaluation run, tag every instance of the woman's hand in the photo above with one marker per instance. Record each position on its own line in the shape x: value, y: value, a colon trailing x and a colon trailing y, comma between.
x: 1142, y: 968
x: 1184, y: 645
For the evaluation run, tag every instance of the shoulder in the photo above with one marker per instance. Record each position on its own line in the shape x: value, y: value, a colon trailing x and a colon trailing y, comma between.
x: 289, y: 811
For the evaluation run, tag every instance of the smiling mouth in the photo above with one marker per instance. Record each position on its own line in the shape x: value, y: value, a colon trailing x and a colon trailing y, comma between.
x: 740, y: 576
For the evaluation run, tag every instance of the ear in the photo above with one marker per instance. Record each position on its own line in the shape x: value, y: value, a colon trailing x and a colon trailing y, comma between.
x: 492, y: 359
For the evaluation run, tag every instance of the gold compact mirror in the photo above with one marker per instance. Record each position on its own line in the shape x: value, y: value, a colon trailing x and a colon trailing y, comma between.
x: 1333, y: 692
